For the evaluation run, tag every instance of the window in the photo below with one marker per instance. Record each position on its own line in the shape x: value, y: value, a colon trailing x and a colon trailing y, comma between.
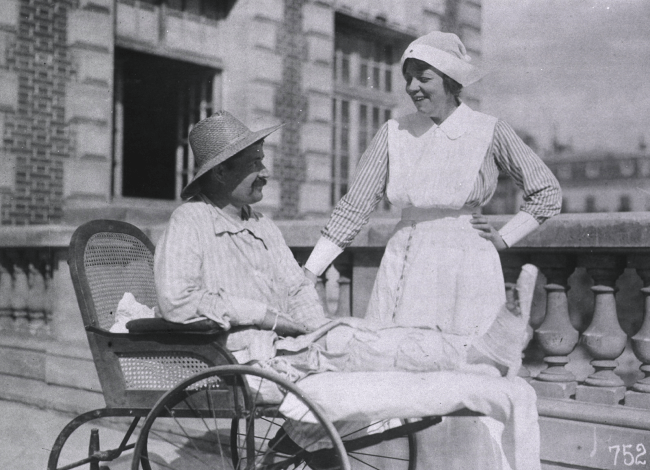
x: 590, y: 204
x: 624, y: 203
x: 212, y: 9
x: 592, y: 170
x: 365, y: 64
x: 564, y: 171
x: 157, y: 100
x: 644, y: 167
x: 627, y: 168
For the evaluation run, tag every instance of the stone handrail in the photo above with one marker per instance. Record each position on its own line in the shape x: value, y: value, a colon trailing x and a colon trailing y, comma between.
x: 588, y: 253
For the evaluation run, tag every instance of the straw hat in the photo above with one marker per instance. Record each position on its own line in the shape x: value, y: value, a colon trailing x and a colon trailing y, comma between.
x: 445, y: 52
x: 215, y: 140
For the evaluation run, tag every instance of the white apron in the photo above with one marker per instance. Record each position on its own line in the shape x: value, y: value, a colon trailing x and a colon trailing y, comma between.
x: 437, y: 271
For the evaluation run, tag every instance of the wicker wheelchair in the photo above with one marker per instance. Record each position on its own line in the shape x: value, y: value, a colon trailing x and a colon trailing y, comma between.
x: 201, y: 408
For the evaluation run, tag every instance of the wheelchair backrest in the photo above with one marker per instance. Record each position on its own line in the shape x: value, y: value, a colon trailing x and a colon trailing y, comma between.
x: 108, y: 258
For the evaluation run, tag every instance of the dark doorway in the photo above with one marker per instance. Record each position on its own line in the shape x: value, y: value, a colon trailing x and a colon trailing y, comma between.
x: 157, y: 100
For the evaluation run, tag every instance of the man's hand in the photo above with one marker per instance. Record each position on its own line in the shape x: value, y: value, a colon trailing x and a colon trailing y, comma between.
x: 281, y: 324
x: 309, y: 275
x: 485, y: 230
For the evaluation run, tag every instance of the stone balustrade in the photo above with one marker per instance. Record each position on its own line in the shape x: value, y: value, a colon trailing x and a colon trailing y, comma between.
x: 589, y: 360
x: 592, y: 300
x: 27, y: 263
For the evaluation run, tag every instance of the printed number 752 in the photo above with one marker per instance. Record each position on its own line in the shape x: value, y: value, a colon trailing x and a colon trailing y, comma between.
x: 628, y: 457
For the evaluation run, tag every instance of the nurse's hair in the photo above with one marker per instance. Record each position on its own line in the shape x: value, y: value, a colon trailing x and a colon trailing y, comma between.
x: 451, y: 86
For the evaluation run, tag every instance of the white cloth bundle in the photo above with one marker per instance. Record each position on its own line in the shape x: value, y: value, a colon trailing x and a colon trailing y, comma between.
x: 130, y: 309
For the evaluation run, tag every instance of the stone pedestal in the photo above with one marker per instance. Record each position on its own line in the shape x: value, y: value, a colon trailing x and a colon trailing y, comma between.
x: 558, y: 390
x: 637, y: 399
x: 602, y: 395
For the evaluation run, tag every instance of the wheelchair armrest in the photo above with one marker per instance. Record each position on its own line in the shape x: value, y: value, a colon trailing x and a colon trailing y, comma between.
x: 162, y: 326
x: 168, y: 338
x: 154, y: 342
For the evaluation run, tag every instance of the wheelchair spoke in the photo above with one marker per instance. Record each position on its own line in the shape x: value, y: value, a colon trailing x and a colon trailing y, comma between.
x: 358, y: 430
x: 216, y: 427
x: 363, y: 462
x: 160, y: 436
x: 187, y: 436
x: 385, y: 457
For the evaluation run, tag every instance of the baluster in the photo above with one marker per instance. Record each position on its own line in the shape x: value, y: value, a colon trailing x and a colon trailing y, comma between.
x: 511, y: 264
x: 20, y: 291
x: 6, y: 289
x: 36, y: 297
x: 603, y: 339
x: 639, y: 395
x: 556, y: 335
x: 49, y: 299
x: 343, y: 265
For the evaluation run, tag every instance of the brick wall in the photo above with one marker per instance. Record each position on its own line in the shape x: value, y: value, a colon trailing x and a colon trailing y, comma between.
x: 290, y: 107
x: 35, y: 132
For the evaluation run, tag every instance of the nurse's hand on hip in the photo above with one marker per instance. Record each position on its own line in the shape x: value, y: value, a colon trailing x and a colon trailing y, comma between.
x: 485, y: 230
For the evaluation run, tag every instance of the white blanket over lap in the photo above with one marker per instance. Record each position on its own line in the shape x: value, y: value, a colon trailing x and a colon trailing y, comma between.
x: 371, y: 396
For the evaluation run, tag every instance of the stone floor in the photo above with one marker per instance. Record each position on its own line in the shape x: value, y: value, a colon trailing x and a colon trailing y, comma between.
x: 27, y: 434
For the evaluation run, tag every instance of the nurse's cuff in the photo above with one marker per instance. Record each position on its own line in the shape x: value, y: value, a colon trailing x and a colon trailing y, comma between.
x: 322, y: 256
x: 518, y: 227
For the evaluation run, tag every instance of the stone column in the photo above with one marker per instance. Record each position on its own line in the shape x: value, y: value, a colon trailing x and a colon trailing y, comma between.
x: 556, y: 336
x: 36, y: 296
x: 604, y: 339
x: 67, y: 325
x: 511, y: 264
x: 639, y: 395
x: 6, y: 291
x: 343, y: 265
x: 20, y: 291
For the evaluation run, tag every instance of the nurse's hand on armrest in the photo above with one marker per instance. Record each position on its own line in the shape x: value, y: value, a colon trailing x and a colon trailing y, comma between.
x: 311, y: 276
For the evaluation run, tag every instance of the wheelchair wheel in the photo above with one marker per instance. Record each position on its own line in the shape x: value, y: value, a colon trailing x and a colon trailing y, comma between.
x: 227, y: 418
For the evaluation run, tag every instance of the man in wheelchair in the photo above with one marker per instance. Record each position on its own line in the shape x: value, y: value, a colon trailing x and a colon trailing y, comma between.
x: 220, y: 259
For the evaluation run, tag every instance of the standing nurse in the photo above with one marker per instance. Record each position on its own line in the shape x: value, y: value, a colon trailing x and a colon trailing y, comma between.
x: 440, y: 165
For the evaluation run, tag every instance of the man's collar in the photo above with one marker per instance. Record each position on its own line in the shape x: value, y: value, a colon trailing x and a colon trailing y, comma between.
x: 231, y: 219
x: 242, y: 214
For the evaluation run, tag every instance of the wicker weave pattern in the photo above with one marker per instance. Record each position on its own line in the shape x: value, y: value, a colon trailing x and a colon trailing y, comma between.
x: 117, y: 263
x: 159, y: 372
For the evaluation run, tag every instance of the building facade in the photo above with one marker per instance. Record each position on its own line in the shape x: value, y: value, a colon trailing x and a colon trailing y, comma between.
x: 98, y: 96
x: 603, y: 181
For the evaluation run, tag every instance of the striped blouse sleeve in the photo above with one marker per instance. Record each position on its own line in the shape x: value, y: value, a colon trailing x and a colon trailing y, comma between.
x: 367, y: 190
x: 541, y: 190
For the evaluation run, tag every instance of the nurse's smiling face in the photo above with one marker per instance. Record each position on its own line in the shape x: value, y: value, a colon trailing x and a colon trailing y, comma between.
x: 426, y: 88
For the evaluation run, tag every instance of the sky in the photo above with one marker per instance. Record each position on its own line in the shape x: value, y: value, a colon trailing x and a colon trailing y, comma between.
x: 579, y: 69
